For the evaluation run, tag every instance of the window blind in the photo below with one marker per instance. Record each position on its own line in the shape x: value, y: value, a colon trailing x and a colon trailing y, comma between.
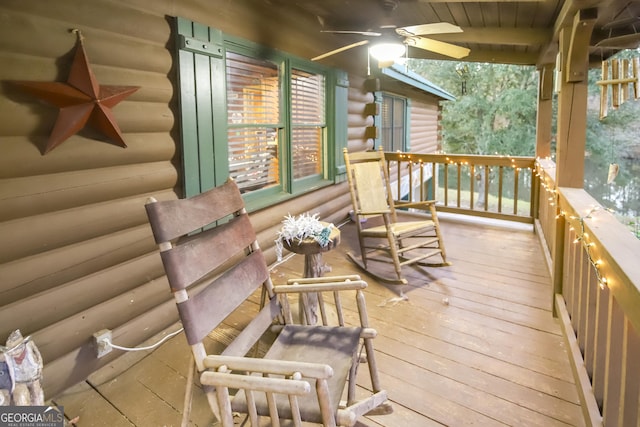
x: 253, y: 105
x: 307, y: 122
x: 392, y: 123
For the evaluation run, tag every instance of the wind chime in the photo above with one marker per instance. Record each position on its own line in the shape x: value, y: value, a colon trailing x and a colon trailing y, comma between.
x: 621, y: 75
x: 463, y: 73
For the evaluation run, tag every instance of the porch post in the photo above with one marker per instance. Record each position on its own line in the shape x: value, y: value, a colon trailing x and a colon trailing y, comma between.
x: 572, y: 122
x: 572, y: 100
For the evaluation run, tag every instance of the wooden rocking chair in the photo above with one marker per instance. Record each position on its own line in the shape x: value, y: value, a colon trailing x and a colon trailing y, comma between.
x: 214, y: 264
x: 385, y: 235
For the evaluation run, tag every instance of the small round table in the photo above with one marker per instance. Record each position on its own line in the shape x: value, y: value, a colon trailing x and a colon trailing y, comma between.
x: 312, y: 251
x: 314, y: 266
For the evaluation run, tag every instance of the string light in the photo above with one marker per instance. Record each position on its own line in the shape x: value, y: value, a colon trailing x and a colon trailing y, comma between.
x: 583, y: 237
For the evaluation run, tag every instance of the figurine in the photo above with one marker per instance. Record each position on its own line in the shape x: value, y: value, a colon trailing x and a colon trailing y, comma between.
x: 26, y: 362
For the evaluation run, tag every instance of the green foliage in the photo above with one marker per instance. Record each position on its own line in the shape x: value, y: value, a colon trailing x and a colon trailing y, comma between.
x: 495, y: 107
x: 495, y: 113
x: 495, y: 110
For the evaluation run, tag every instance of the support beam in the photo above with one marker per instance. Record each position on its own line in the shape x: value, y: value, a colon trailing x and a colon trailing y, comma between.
x: 578, y: 55
x: 572, y: 121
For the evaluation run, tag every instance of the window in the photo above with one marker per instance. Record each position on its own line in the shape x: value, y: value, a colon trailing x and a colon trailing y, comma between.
x: 257, y: 124
x: 307, y: 122
x: 393, y: 123
x: 253, y: 110
x: 273, y: 122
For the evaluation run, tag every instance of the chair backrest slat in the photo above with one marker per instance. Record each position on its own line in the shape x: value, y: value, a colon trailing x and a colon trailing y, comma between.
x: 370, y: 187
x: 199, y: 255
x: 369, y: 182
x: 209, y: 248
x: 204, y: 311
x: 174, y: 218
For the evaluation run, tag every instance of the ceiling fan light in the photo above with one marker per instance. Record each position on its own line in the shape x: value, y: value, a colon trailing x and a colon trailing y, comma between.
x: 389, y: 51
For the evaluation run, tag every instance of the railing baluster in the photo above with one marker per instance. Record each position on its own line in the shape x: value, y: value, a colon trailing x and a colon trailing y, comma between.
x: 516, y: 182
x: 472, y: 180
x: 487, y: 172
x: 613, y: 375
x: 399, y: 179
x: 410, y: 179
x: 600, y: 353
x: 446, y: 184
x: 631, y: 412
x: 434, y: 181
x: 458, y: 183
x: 500, y: 189
x: 421, y: 181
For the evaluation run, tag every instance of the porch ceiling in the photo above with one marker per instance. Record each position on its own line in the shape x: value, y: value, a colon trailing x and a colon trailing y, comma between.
x: 499, y: 31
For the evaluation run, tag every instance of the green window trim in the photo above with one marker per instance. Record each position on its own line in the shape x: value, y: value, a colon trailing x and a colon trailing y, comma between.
x: 201, y: 57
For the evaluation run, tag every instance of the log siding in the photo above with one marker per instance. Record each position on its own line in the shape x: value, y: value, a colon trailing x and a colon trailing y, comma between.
x: 77, y: 254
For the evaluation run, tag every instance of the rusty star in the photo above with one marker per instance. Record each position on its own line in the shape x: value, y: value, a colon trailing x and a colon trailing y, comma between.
x: 81, y: 100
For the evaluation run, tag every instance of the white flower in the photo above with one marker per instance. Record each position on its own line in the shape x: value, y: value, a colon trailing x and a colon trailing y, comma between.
x: 300, y: 228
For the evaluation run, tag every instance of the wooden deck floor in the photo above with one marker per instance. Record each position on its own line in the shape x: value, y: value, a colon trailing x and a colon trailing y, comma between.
x: 474, y: 344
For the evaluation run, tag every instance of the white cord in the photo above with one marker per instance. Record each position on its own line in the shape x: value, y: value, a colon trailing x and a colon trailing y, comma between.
x: 149, y: 347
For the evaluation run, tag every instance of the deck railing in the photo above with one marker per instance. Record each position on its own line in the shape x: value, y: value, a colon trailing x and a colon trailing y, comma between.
x: 597, y: 298
x: 593, y: 261
x: 487, y: 186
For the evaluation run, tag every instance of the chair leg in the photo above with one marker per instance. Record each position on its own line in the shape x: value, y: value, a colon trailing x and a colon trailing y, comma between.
x: 436, y: 224
x: 393, y: 247
x: 363, y: 249
x: 393, y: 250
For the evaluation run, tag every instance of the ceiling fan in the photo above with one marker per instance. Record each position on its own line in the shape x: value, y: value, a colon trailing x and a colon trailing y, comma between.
x: 399, y: 38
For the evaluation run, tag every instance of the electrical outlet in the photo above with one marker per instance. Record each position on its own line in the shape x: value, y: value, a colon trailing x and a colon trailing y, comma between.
x: 102, y: 342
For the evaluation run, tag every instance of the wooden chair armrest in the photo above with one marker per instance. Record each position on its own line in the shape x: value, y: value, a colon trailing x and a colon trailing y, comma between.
x: 425, y: 204
x: 293, y: 386
x: 323, y: 279
x: 296, y: 287
x: 268, y: 366
x: 382, y: 212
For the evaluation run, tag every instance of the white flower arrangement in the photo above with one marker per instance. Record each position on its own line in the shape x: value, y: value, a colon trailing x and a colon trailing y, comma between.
x: 302, y: 227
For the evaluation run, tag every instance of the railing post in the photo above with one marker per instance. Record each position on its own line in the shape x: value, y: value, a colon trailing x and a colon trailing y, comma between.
x: 535, y: 194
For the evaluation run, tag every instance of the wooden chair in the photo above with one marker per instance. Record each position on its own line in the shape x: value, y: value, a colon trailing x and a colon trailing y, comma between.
x: 386, y: 235
x: 213, y: 273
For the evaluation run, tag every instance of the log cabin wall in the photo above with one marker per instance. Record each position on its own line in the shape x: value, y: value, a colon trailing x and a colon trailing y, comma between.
x: 358, y: 120
x: 77, y: 254
x: 424, y: 127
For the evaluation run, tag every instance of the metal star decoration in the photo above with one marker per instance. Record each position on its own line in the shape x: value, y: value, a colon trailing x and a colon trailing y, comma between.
x: 81, y: 100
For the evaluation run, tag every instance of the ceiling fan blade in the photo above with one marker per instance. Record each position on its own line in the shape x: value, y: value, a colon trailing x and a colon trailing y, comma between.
x: 427, y: 29
x: 341, y: 49
x: 436, y: 46
x: 363, y: 33
x: 628, y: 41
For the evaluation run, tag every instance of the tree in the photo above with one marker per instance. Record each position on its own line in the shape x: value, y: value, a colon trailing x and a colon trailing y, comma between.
x: 495, y: 107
